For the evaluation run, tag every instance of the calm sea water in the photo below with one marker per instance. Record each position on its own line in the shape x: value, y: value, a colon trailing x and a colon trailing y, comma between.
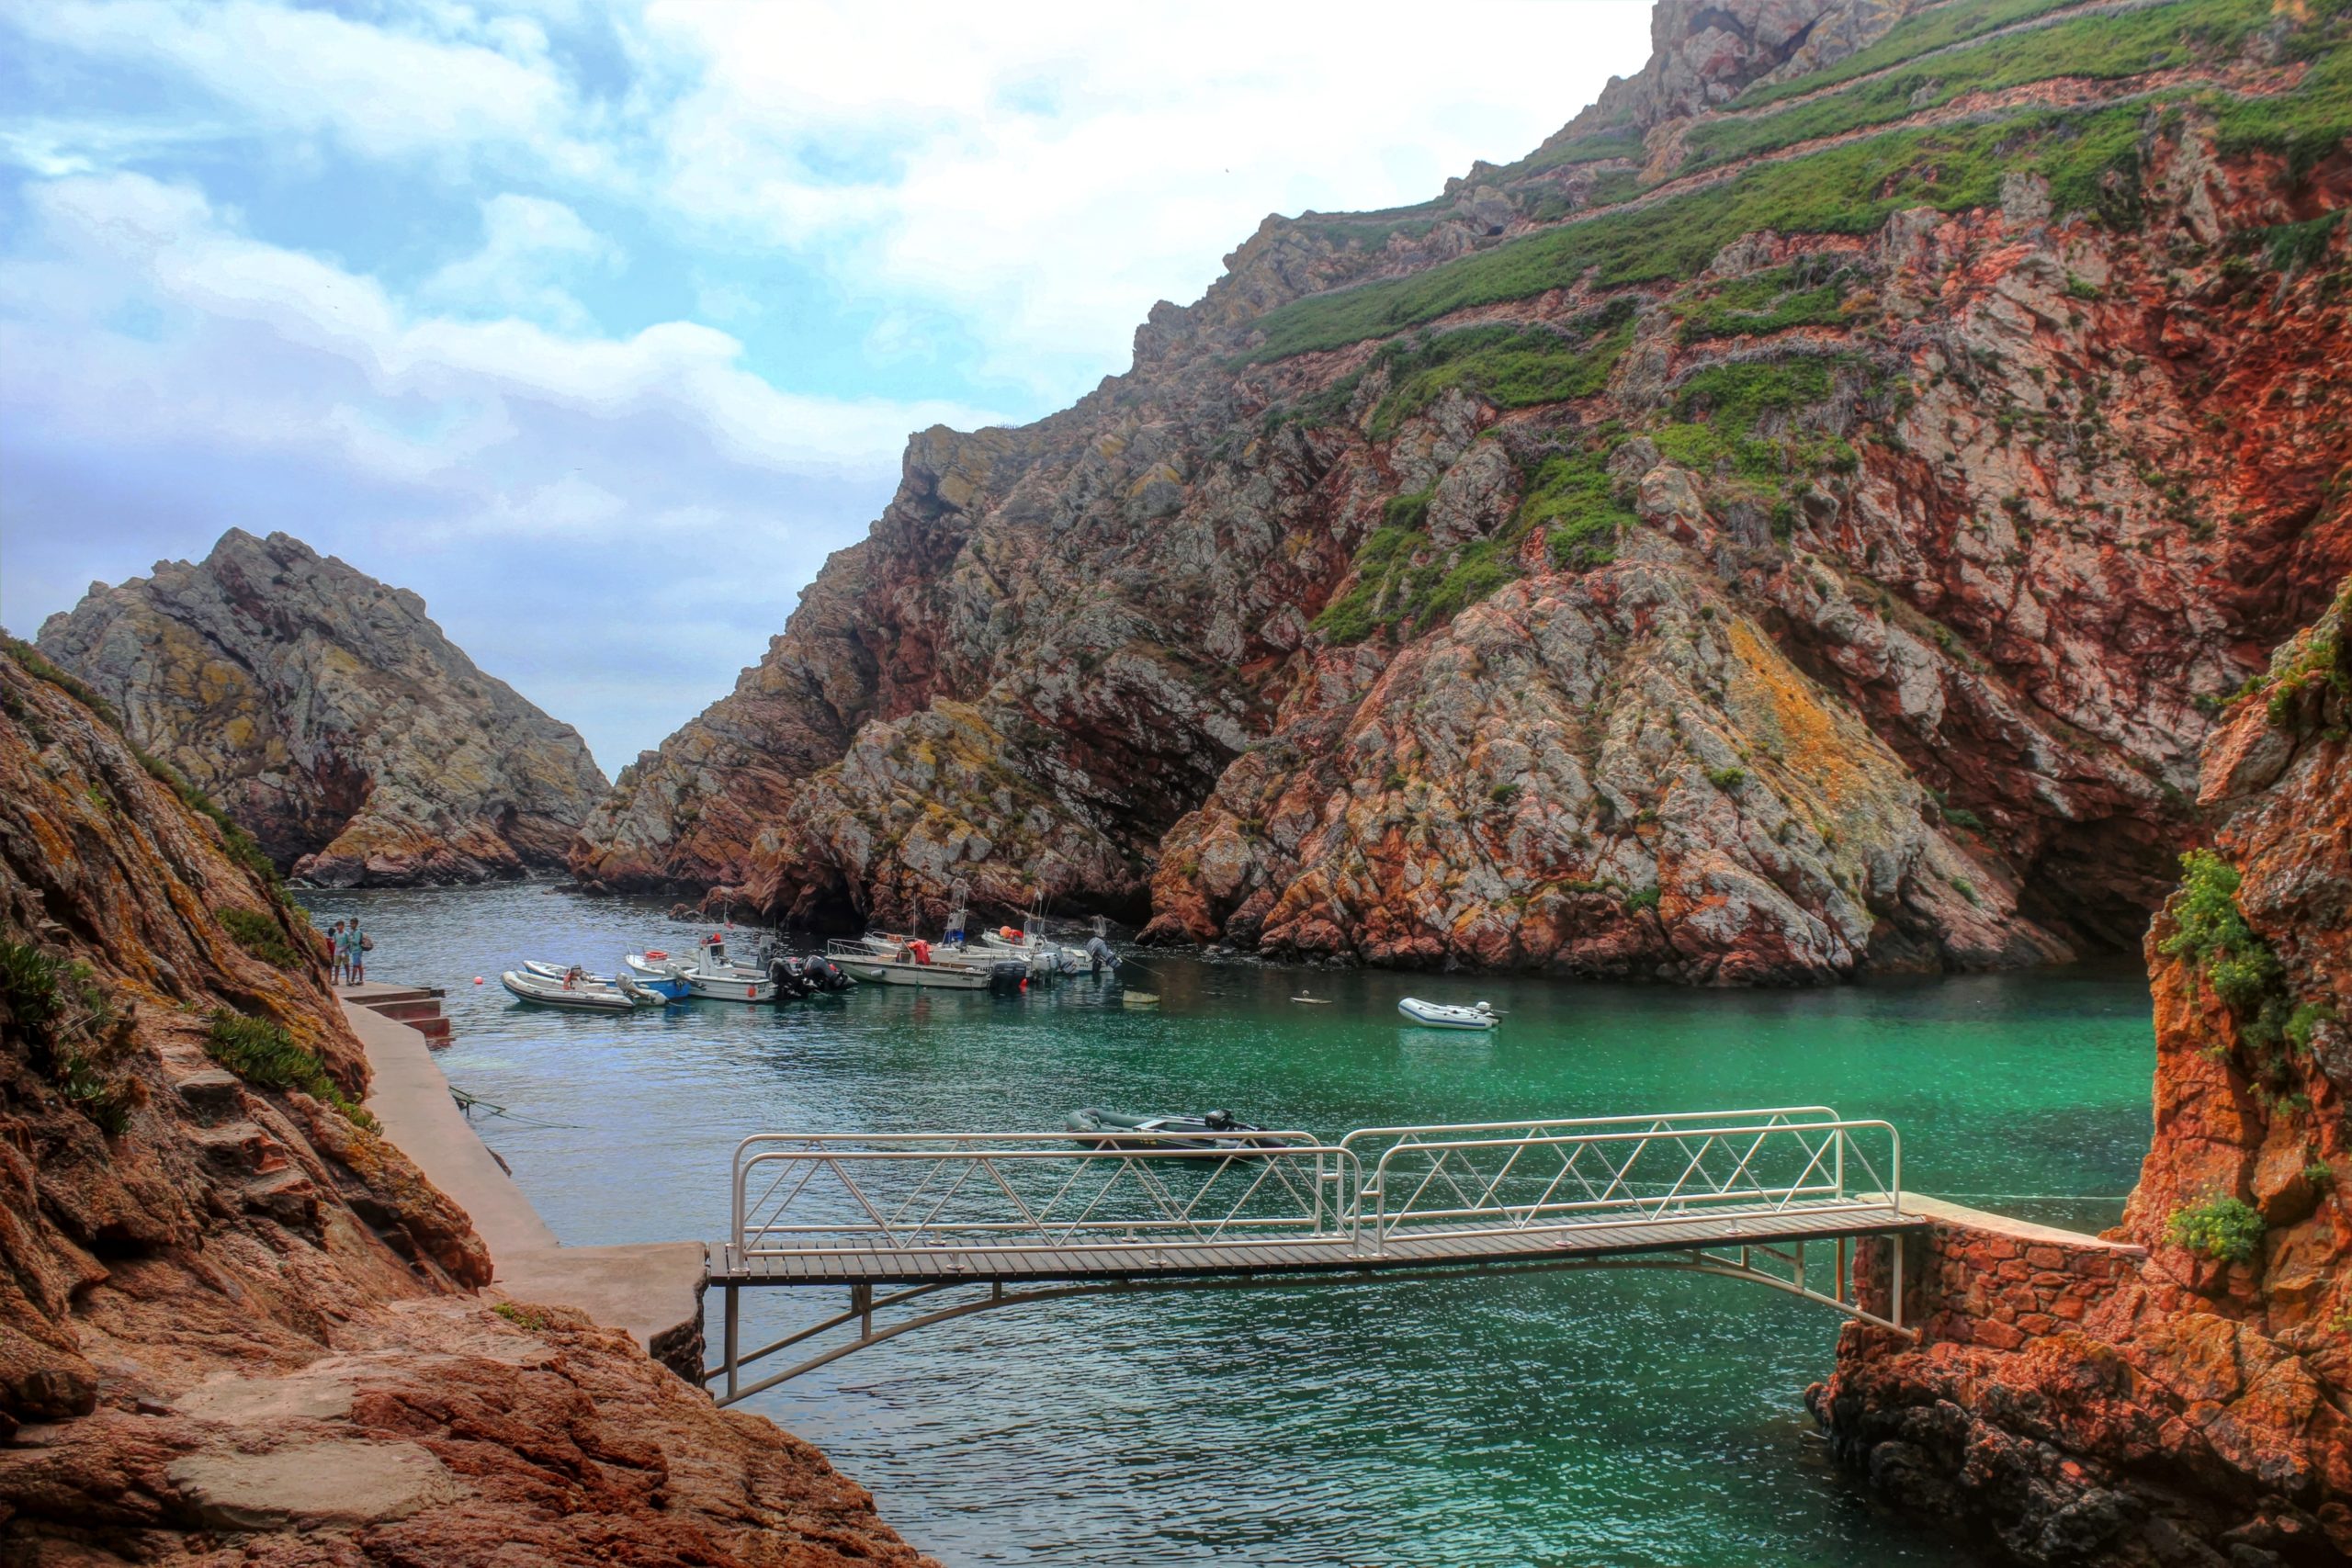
x: 1611, y: 1418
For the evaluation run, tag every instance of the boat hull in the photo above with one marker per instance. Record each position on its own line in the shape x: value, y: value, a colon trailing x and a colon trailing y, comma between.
x: 931, y: 977
x: 1434, y: 1015
x: 544, y: 992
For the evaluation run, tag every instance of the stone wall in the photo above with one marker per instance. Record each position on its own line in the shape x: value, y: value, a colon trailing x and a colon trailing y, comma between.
x: 1981, y: 1279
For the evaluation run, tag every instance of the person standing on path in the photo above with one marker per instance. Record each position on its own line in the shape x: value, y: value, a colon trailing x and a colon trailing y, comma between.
x: 334, y: 954
x: 357, y: 965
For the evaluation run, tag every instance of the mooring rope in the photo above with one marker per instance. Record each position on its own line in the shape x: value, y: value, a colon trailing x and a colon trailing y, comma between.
x: 470, y: 1102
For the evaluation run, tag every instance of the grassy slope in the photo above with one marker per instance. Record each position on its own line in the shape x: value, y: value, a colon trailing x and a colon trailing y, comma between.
x: 1853, y: 188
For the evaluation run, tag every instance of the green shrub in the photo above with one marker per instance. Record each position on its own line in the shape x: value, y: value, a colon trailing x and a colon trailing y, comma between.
x: 1477, y: 571
x: 2223, y: 1228
x: 2211, y: 932
x: 1727, y: 779
x: 1570, y: 498
x: 1511, y: 366
x: 261, y: 936
x: 261, y: 1051
x: 28, y: 988
x: 2303, y: 1021
x: 1643, y: 899
x: 1768, y: 301
x: 73, y: 1028
x: 1402, y: 515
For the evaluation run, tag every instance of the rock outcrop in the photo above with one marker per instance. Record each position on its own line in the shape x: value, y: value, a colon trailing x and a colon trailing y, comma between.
x: 235, y: 1322
x: 329, y: 716
x: 2191, y: 1408
x: 1796, y: 521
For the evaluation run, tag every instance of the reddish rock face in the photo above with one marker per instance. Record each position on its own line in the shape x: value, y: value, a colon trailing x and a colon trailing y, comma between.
x: 230, y: 1311
x: 2190, y: 1409
x: 329, y: 716
x: 1516, y: 581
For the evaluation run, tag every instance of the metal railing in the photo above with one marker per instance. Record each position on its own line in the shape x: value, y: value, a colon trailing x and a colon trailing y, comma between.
x: 807, y: 1194
x: 1616, y: 1171
x: 818, y: 1193
x: 980, y: 1208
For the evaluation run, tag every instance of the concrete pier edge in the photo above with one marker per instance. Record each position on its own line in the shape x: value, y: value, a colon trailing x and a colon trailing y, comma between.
x: 651, y: 1289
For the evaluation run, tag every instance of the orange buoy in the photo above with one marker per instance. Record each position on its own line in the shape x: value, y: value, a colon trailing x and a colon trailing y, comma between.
x: 477, y: 980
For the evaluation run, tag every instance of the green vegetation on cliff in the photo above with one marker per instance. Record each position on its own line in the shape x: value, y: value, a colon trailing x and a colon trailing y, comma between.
x: 76, y: 1033
x: 1911, y: 36
x: 2090, y: 158
x: 261, y: 1051
x: 1509, y: 366
x: 2177, y: 33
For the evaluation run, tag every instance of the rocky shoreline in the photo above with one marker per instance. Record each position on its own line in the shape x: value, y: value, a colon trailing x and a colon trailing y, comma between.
x: 2177, y: 1399
x: 237, y: 1320
x: 1784, y: 528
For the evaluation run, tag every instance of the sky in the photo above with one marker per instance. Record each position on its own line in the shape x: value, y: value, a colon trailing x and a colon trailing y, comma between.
x: 601, y: 326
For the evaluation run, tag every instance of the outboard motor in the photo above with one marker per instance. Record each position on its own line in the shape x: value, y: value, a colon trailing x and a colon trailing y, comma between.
x: 789, y: 981
x: 1008, y: 975
x: 1218, y: 1120
x: 818, y: 973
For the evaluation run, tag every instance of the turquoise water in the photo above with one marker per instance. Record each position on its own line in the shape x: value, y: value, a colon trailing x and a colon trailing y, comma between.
x: 1614, y: 1418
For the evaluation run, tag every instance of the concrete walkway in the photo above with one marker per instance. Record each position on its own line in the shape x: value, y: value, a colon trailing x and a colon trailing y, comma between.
x: 652, y: 1288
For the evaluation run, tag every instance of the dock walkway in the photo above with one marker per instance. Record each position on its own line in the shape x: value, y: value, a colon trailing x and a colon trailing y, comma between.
x: 653, y: 1289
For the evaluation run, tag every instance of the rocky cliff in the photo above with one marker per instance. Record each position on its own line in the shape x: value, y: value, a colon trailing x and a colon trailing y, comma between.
x: 1796, y: 520
x: 329, y: 716
x: 236, y: 1324
x: 2194, y: 1408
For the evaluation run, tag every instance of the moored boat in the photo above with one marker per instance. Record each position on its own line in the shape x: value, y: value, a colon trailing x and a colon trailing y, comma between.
x: 668, y: 987
x: 915, y: 964
x: 709, y: 975
x: 1436, y: 1015
x: 1216, y: 1130
x: 573, y: 991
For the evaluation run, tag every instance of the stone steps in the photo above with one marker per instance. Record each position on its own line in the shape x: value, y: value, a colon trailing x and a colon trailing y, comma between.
x: 419, y: 1007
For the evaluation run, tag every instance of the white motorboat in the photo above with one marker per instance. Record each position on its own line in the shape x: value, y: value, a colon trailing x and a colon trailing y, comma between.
x: 573, y: 991
x: 904, y: 967
x: 1046, y: 957
x: 709, y: 974
x: 1436, y: 1015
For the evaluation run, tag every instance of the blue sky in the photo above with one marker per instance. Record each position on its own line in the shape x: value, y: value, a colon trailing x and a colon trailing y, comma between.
x: 601, y: 326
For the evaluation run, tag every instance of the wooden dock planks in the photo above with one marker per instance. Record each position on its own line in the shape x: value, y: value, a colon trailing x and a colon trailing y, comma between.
x: 1409, y: 1248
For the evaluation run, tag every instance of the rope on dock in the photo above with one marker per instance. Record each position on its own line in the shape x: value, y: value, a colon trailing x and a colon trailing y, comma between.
x: 470, y: 1102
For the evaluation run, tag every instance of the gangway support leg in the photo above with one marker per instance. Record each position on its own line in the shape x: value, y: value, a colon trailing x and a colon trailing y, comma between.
x: 1894, y: 1304
x: 733, y: 1334
x: 861, y: 1301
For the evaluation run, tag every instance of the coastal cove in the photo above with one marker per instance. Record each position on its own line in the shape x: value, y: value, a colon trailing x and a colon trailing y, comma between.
x: 1620, y: 1417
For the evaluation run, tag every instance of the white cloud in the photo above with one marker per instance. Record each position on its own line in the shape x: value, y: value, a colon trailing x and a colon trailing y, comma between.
x: 556, y: 496
x: 1047, y: 177
x: 447, y: 81
x: 530, y: 247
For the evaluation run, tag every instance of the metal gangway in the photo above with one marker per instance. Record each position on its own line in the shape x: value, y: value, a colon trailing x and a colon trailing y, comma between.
x: 933, y: 1226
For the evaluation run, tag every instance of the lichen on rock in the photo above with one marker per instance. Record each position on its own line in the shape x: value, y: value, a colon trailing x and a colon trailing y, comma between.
x: 329, y: 716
